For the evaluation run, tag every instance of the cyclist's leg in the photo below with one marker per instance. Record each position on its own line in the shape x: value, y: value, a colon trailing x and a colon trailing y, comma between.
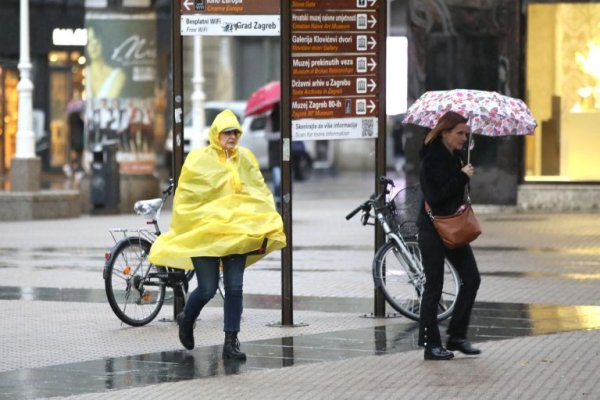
x: 466, y: 267
x: 433, y: 254
x: 233, y: 279
x: 207, y: 273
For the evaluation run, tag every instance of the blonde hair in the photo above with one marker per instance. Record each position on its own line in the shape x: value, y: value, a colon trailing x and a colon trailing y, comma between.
x: 446, y: 122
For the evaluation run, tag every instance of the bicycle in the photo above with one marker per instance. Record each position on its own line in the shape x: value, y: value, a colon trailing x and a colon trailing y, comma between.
x: 135, y: 288
x: 397, y: 265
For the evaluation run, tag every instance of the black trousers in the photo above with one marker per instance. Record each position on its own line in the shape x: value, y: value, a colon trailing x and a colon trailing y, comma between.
x: 433, y: 253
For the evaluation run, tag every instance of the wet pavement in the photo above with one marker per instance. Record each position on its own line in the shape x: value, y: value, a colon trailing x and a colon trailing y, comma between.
x: 491, y: 321
x: 537, y: 317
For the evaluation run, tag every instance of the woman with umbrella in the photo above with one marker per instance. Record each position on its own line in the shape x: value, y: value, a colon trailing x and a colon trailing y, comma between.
x: 443, y: 177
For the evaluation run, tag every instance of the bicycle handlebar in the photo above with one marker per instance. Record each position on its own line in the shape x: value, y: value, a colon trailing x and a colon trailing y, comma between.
x: 384, y: 180
x: 374, y: 199
x: 169, y: 190
x: 355, y: 211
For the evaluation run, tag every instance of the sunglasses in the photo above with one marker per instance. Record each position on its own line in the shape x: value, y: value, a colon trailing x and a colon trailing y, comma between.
x: 236, y: 133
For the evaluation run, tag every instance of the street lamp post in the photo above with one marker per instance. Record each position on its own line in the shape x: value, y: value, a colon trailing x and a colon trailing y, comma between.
x: 25, y: 166
x: 198, y: 96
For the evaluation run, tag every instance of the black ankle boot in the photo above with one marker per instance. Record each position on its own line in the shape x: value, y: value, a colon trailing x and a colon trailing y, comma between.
x: 462, y: 345
x: 186, y: 331
x: 438, y: 353
x: 231, y: 348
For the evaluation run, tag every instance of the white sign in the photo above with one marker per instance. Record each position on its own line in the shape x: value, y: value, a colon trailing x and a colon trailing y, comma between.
x: 136, y: 3
x: 230, y: 25
x: 96, y: 3
x: 334, y: 128
x: 69, y: 37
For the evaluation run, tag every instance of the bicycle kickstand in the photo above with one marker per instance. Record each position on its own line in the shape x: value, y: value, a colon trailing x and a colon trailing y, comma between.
x: 179, y: 297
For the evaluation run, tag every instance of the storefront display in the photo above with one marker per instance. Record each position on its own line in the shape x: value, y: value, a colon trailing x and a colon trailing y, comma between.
x: 563, y: 91
x: 9, y: 79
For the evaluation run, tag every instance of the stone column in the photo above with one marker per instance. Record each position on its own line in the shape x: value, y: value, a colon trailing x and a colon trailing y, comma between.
x: 25, y: 166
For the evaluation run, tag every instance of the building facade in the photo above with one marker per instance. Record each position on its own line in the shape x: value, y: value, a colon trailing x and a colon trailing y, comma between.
x: 545, y: 52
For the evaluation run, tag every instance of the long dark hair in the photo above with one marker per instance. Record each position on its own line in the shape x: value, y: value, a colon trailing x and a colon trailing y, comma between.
x: 446, y: 122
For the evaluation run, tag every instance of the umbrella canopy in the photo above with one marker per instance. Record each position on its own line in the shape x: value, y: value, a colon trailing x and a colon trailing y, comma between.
x: 263, y: 99
x: 489, y: 113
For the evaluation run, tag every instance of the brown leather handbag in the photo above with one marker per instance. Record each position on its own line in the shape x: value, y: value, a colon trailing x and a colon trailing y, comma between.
x: 458, y: 229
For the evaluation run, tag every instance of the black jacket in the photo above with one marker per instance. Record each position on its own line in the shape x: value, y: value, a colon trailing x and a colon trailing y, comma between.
x: 442, y: 181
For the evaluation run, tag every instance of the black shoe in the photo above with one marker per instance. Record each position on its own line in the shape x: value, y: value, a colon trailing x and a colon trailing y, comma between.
x: 438, y: 353
x: 462, y: 345
x: 186, y: 331
x: 231, y: 348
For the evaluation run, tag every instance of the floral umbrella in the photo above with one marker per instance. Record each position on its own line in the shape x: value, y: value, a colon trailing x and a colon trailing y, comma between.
x: 489, y: 113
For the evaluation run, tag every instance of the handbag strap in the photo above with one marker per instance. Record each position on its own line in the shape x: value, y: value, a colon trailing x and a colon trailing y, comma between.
x: 467, y: 196
x: 428, y: 211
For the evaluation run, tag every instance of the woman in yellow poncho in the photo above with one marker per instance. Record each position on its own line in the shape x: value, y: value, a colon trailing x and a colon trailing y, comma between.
x: 223, y: 212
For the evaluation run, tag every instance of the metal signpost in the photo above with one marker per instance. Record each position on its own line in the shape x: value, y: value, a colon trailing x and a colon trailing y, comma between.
x: 334, y: 75
x: 223, y: 18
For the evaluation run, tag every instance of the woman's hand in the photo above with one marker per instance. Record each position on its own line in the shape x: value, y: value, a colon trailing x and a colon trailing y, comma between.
x: 468, y: 169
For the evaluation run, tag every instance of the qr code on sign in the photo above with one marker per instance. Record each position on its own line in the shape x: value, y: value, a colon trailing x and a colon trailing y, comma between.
x: 367, y: 126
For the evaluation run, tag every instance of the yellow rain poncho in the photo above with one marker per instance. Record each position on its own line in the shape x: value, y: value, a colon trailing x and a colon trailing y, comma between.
x: 222, y: 206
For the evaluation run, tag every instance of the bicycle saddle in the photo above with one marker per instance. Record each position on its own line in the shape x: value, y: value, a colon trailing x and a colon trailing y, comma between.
x: 148, y: 208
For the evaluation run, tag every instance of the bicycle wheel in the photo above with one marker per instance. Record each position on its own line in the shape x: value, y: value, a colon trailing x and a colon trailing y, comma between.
x: 135, y: 288
x: 402, y: 281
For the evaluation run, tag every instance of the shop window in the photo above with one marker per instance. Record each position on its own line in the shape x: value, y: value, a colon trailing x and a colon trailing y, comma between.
x: 9, y: 79
x: 563, y: 92
x: 66, y: 84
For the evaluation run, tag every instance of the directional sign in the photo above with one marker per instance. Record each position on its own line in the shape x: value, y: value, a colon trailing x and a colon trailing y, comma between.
x: 333, y: 107
x: 335, y: 4
x: 334, y: 69
x: 332, y: 21
x: 333, y: 43
x: 229, y: 7
x: 333, y: 65
x: 329, y: 86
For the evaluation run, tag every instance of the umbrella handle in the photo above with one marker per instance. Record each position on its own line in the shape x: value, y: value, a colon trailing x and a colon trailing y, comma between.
x: 469, y: 148
x: 470, y: 141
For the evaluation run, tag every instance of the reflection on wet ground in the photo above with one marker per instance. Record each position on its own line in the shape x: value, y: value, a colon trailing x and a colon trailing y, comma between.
x: 97, y: 253
x: 490, y: 321
x: 516, y: 274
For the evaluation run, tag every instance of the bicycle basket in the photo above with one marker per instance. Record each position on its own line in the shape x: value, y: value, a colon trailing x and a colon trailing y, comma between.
x: 408, y: 204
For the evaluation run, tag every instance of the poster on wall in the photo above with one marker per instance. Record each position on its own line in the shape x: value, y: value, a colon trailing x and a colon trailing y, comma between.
x: 120, y: 85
